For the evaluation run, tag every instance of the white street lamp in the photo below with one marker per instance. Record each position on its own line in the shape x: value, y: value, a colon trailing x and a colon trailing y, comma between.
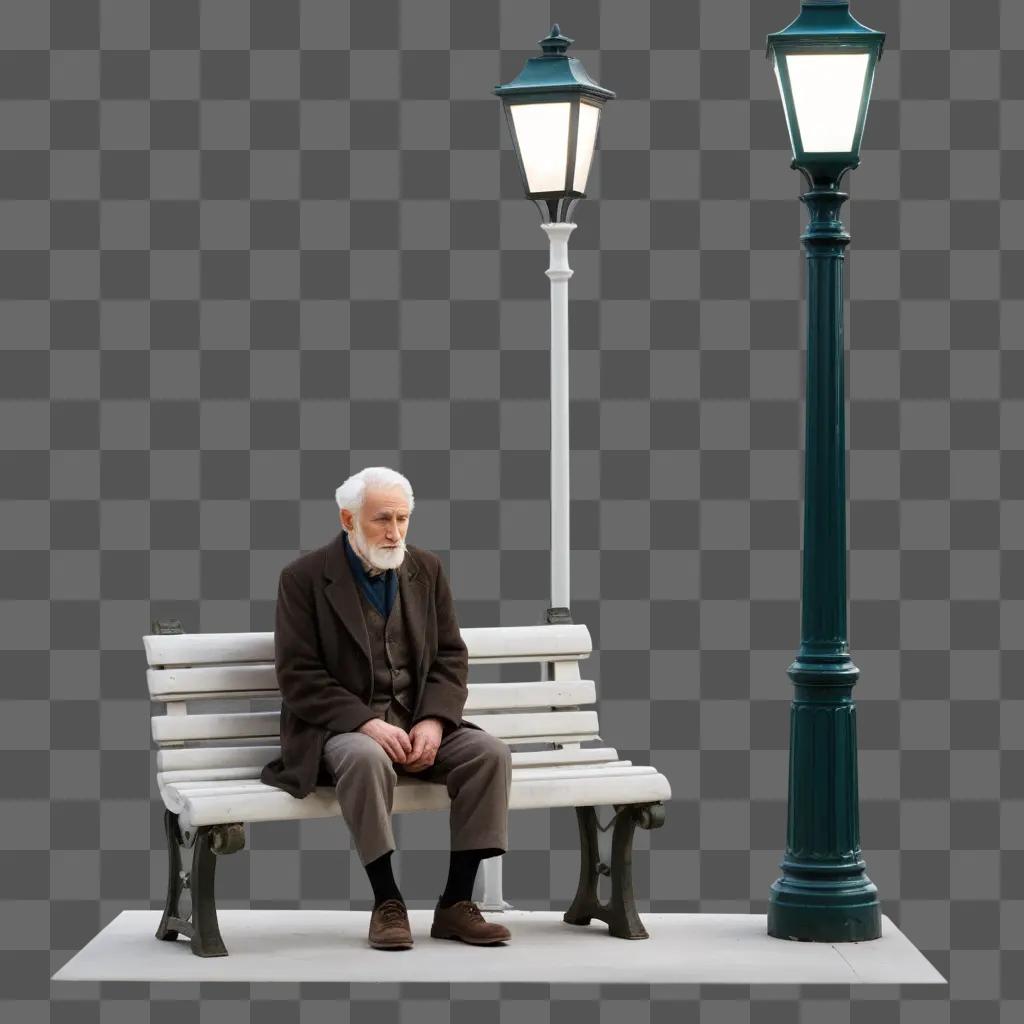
x: 553, y: 108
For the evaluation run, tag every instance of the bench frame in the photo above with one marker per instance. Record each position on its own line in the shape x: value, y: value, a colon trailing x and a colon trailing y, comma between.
x: 208, y: 842
x: 201, y: 925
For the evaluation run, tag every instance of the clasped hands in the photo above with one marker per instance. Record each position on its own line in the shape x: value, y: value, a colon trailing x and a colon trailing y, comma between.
x: 415, y: 749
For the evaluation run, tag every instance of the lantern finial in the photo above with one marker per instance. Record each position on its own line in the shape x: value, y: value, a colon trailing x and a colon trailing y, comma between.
x: 555, y: 44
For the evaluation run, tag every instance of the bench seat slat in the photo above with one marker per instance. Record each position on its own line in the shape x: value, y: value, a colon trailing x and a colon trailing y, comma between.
x: 213, y: 775
x: 180, y: 792
x: 212, y: 758
x: 210, y: 775
x: 514, y: 727
x: 244, y: 783
x: 415, y: 795
x: 486, y: 643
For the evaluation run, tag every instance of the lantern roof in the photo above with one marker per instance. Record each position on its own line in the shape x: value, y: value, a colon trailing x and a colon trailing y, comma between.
x: 553, y: 71
x: 822, y: 22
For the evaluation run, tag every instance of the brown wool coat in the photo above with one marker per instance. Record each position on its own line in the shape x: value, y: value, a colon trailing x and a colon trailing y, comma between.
x: 322, y: 657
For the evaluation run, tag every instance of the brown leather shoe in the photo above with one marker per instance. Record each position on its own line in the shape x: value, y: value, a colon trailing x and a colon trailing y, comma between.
x: 389, y: 926
x: 463, y: 921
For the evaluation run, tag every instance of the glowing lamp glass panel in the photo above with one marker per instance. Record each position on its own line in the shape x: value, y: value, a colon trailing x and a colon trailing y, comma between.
x: 586, y: 139
x: 542, y: 132
x: 827, y: 90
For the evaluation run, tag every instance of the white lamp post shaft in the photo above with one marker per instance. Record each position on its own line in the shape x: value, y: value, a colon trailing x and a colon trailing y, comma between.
x: 559, y: 273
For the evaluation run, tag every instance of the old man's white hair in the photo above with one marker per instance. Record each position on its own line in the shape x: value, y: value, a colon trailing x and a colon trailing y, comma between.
x: 351, y: 493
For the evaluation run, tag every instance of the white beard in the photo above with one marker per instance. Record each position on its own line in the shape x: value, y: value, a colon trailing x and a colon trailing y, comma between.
x: 379, y: 556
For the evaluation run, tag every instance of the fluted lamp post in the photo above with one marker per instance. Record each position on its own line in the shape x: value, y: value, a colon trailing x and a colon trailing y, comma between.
x: 825, y: 63
x: 553, y: 109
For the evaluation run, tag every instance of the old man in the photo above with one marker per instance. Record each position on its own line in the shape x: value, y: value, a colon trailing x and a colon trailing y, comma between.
x: 373, y: 677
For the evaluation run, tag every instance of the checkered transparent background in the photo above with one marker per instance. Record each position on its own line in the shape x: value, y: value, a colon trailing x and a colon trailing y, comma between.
x: 249, y: 247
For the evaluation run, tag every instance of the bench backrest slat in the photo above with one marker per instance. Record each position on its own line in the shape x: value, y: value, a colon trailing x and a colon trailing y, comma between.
x: 486, y: 644
x: 171, y: 759
x: 235, y: 681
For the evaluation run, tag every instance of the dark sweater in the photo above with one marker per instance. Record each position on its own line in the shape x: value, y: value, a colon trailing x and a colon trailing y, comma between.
x: 379, y: 587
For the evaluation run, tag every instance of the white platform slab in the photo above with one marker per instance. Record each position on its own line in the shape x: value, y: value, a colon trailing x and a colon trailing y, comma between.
x: 330, y: 945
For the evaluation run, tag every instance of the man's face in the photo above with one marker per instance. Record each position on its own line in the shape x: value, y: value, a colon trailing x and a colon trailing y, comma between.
x: 379, y: 532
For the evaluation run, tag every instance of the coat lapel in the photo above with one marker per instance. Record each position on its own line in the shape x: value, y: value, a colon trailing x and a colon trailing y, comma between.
x: 412, y: 592
x: 341, y: 591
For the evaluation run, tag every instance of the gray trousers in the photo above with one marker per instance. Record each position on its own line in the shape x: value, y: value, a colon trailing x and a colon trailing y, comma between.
x: 475, y: 767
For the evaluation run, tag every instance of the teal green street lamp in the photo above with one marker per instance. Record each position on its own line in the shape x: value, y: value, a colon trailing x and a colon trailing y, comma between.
x: 825, y: 63
x: 553, y: 109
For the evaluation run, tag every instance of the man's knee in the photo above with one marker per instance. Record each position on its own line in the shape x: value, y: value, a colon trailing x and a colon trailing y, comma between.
x: 361, y: 755
x: 494, y: 749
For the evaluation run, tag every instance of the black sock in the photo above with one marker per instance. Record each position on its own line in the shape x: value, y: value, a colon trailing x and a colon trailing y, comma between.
x: 461, y: 875
x: 383, y: 880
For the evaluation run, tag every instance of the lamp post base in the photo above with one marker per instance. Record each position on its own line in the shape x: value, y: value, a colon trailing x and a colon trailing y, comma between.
x: 559, y: 616
x: 794, y: 914
x: 824, y: 893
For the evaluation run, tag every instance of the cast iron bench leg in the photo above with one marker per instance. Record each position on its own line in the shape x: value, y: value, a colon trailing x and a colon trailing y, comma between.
x: 210, y: 841
x: 172, y: 922
x: 619, y: 913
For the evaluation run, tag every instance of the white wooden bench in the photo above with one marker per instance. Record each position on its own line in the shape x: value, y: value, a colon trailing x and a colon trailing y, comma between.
x: 208, y: 764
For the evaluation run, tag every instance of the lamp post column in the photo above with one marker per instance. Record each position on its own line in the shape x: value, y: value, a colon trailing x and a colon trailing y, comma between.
x: 824, y: 893
x: 559, y: 273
